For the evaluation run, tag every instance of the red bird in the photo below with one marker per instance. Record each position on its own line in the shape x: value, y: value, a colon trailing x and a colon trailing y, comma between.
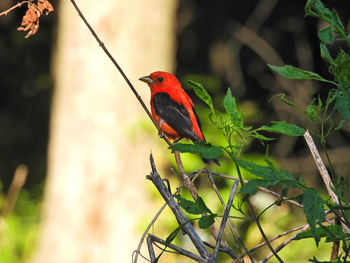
x: 172, y: 109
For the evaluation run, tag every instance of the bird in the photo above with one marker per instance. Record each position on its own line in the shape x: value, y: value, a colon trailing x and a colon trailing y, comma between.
x: 173, y: 109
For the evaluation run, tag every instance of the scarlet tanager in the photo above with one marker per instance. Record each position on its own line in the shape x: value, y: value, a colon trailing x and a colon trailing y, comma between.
x: 173, y: 110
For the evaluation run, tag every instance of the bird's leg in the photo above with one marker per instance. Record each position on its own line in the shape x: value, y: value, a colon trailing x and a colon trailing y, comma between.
x: 161, y: 134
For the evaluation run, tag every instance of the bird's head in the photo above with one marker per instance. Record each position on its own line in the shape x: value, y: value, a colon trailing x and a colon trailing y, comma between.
x: 161, y: 80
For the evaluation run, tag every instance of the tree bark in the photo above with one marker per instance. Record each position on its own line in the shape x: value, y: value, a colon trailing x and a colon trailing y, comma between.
x: 95, y: 189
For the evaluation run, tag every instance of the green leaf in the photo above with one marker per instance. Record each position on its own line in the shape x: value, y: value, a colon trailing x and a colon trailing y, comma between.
x: 269, y: 175
x: 341, y: 71
x: 313, y: 111
x: 206, y: 150
x: 284, y: 128
x: 231, y: 109
x: 326, y: 55
x: 317, y: 9
x: 202, y: 93
x: 343, y: 104
x: 195, y: 208
x: 332, y: 233
x: 292, y: 72
x: 252, y: 186
x: 261, y: 137
x: 282, y: 97
x: 172, y: 236
x: 313, y: 208
x: 206, y: 221
x: 326, y: 35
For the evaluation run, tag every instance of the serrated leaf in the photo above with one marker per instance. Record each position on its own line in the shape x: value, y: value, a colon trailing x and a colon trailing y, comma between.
x: 206, y: 221
x: 317, y: 9
x: 284, y: 128
x: 313, y: 208
x: 269, y: 175
x: 341, y: 71
x: 231, y: 109
x: 312, y: 111
x: 332, y: 233
x: 343, y: 104
x: 206, y: 150
x: 195, y: 208
x: 292, y: 72
x: 252, y: 186
x: 326, y: 55
x: 326, y: 35
x: 202, y: 93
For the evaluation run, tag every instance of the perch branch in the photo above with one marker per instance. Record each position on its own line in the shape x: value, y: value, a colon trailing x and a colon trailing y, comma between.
x: 102, y: 45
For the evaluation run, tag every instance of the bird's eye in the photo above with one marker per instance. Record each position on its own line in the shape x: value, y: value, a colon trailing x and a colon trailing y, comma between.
x: 160, y: 79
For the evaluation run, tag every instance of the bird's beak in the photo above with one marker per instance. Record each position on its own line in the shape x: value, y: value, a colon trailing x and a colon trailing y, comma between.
x: 147, y: 79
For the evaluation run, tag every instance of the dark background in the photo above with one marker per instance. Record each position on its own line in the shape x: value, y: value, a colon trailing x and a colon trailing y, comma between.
x: 206, y: 47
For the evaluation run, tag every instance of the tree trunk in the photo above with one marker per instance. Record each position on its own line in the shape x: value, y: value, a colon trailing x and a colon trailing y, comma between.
x: 95, y: 190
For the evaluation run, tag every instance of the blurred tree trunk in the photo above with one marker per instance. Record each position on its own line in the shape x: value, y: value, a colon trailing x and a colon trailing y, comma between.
x: 95, y: 190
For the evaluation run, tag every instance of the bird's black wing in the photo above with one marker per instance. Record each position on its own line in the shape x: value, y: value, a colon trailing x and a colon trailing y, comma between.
x: 175, y: 115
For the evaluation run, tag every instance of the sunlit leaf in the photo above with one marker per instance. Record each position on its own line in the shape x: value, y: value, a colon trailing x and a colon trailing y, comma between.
x: 284, y: 128
x: 202, y: 93
x: 332, y: 233
x: 206, y: 150
x: 313, y: 208
x: 195, y: 208
x: 206, y: 221
x: 292, y: 72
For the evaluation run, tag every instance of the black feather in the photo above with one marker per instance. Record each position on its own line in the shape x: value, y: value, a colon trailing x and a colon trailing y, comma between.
x: 175, y: 115
x: 178, y: 118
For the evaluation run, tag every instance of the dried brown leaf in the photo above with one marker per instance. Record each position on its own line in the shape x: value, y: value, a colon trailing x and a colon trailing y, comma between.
x: 45, y: 6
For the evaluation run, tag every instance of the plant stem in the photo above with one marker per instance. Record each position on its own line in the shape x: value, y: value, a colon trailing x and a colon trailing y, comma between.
x: 253, y: 214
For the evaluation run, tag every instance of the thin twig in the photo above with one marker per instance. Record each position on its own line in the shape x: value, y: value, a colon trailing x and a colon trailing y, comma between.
x: 263, y: 189
x: 286, y: 242
x: 15, y: 188
x: 14, y: 7
x: 279, y: 236
x: 188, y: 183
x: 256, y: 219
x: 232, y: 226
x: 180, y: 250
x: 152, y: 255
x: 224, y: 219
x: 321, y: 167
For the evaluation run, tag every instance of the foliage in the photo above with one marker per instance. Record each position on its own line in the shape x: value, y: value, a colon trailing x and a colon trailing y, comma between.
x: 322, y: 113
x: 19, y: 230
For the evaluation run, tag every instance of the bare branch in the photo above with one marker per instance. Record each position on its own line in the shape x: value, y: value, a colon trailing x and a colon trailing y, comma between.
x: 16, y: 186
x: 321, y: 167
x: 5, y: 13
x: 224, y: 219
x: 179, y: 214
